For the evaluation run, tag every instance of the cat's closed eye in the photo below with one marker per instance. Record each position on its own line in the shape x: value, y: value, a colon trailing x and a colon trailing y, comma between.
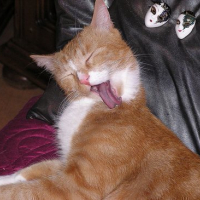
x: 71, y: 74
x: 88, y: 58
x: 66, y: 76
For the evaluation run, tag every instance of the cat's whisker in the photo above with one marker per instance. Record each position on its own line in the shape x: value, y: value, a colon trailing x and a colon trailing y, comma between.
x: 143, y: 63
x: 62, y: 106
x: 67, y: 100
x: 31, y: 63
x: 72, y: 96
x: 135, y: 52
x: 63, y: 78
x: 69, y: 95
x: 51, y: 77
x: 124, y: 63
x: 143, y: 55
x: 75, y: 21
x: 114, y: 62
x: 43, y: 71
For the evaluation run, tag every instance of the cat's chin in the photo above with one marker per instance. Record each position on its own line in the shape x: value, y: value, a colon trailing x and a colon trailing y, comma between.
x: 107, y: 94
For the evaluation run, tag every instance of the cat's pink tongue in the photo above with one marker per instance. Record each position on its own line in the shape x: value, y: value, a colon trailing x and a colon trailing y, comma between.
x: 105, y: 92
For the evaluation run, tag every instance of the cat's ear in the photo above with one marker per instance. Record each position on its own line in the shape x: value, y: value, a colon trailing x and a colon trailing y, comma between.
x: 45, y: 61
x: 101, y: 17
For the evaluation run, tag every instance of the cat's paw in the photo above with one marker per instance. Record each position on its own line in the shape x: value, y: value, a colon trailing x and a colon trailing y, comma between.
x: 13, y: 178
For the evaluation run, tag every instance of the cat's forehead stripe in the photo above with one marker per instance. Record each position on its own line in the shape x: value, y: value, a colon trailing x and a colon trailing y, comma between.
x: 72, y: 65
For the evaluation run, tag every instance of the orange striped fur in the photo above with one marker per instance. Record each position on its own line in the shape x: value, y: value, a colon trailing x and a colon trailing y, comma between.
x: 123, y: 153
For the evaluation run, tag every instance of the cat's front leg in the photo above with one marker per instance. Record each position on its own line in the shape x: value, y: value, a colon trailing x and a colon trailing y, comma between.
x: 34, y: 182
x: 13, y: 178
x: 42, y: 169
x: 29, y: 190
x: 55, y: 187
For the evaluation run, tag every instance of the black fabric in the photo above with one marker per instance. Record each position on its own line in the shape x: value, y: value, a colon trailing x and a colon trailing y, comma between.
x: 49, y: 105
x: 170, y: 67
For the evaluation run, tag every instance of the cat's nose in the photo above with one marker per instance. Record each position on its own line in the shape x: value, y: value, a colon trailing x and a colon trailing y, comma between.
x: 84, y: 79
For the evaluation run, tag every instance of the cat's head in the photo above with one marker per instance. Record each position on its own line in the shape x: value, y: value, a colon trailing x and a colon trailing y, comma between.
x: 97, y: 63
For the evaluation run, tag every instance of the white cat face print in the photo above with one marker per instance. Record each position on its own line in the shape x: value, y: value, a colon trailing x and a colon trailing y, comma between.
x: 185, y: 24
x: 157, y: 15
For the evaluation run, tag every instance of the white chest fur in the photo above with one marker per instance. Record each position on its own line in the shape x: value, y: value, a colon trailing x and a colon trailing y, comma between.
x: 69, y: 122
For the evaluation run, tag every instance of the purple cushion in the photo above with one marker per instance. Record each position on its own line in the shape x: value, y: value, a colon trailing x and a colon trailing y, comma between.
x: 24, y: 142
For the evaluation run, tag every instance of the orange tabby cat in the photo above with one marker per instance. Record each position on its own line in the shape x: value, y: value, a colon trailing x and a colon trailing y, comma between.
x: 111, y: 146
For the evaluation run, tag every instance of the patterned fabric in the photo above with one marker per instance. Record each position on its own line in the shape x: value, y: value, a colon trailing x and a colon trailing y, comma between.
x: 24, y: 142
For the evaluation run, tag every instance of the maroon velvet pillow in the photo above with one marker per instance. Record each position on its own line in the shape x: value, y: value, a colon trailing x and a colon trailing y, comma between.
x: 25, y: 141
